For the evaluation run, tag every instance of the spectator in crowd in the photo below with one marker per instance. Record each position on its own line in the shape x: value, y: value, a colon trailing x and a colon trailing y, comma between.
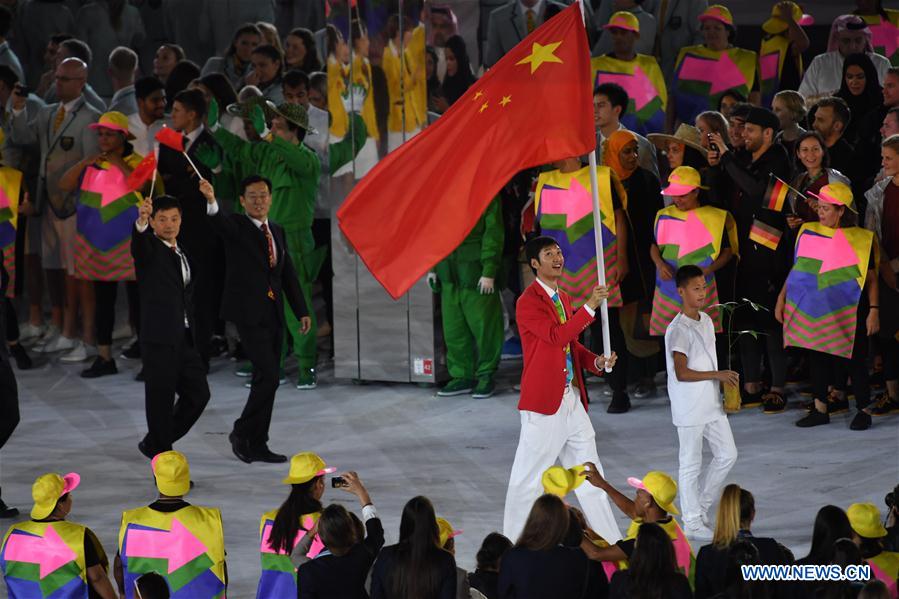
x: 711, y: 121
x: 736, y: 125
x: 720, y: 193
x: 831, y: 120
x: 281, y: 530
x: 762, y: 268
x: 677, y: 26
x: 149, y: 118
x: 876, y: 589
x: 42, y: 24
x: 860, y: 90
x: 812, y: 173
x: 890, y: 124
x: 318, y: 90
x: 694, y: 392
x: 271, y: 37
x: 448, y: 543
x: 61, y: 132
x: 849, y: 34
x: 102, y: 255
x: 104, y: 25
x: 73, y: 48
x: 645, y: 37
x: 511, y: 23
x: 172, y: 518
x: 728, y: 100
x: 783, y: 42
x: 868, y: 533
x: 735, y: 515
x: 539, y: 565
x: 831, y: 524
x: 458, y: 74
x: 236, y: 62
x: 343, y: 570
x: 882, y: 218
x: 789, y: 106
x: 52, y: 496
x: 485, y: 578
x: 719, y: 34
x: 179, y: 80
x: 122, y: 68
x: 300, y: 51
x: 7, y: 56
x: 433, y: 82
x: 652, y: 569
x: 621, y: 154
x: 167, y: 56
x: 445, y: 24
x: 684, y: 148
x: 609, y: 104
x: 741, y: 553
x: 416, y: 567
x: 870, y: 133
x: 830, y: 362
x: 267, y: 62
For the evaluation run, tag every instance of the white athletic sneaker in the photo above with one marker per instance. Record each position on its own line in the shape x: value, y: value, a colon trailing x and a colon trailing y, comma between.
x: 698, y: 531
x: 59, y: 343
x: 29, y: 332
x: 79, y: 353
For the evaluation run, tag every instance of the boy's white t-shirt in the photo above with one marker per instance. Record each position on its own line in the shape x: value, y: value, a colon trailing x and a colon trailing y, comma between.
x: 693, y: 404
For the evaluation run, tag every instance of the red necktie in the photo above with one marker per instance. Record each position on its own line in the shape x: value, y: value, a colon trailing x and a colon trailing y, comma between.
x: 270, y: 243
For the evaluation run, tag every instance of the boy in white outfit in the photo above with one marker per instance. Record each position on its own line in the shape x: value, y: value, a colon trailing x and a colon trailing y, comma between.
x: 696, y: 406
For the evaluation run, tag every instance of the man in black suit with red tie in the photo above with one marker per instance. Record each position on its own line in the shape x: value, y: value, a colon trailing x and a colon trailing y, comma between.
x: 259, y: 275
x: 172, y: 363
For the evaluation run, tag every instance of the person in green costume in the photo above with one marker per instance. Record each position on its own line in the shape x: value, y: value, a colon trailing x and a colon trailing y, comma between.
x: 471, y: 308
x: 294, y: 170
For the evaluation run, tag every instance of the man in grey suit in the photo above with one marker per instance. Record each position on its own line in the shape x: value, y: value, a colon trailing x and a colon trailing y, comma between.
x: 122, y: 67
x: 74, y: 48
x: 677, y: 25
x: 511, y: 23
x: 61, y: 132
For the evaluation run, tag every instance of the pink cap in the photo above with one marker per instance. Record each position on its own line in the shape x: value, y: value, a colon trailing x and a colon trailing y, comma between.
x: 70, y: 482
x: 636, y: 483
x: 324, y: 471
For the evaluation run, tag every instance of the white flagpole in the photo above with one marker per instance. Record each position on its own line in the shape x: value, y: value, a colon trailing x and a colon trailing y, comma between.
x: 597, y: 235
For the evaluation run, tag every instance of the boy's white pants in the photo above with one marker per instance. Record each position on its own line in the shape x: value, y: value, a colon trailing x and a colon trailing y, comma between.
x: 567, y: 436
x: 693, y: 501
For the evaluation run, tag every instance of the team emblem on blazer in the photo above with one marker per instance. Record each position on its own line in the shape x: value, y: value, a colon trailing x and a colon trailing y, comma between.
x: 67, y: 142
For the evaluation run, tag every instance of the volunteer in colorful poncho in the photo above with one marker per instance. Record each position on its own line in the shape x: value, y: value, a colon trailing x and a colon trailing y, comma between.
x: 471, y: 308
x: 638, y: 74
x: 703, y: 73
x: 182, y: 542
x: 780, y: 54
x: 564, y: 205
x: 687, y: 233
x: 106, y: 211
x: 829, y: 305
x: 48, y: 556
x: 868, y: 534
x: 884, y: 26
x: 280, y: 530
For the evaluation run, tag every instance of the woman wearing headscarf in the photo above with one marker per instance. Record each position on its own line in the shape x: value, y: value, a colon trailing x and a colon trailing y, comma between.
x: 458, y: 72
x: 620, y: 153
x: 860, y: 89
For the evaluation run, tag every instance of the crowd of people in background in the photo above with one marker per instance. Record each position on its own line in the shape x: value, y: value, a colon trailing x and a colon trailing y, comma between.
x: 765, y: 154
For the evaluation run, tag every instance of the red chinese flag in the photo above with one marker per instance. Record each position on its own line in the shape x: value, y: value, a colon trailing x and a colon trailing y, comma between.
x: 171, y: 138
x: 142, y: 173
x: 419, y: 203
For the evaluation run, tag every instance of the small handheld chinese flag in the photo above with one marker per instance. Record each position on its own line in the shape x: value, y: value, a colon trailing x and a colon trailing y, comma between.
x: 143, y: 172
x: 170, y: 138
x: 418, y: 204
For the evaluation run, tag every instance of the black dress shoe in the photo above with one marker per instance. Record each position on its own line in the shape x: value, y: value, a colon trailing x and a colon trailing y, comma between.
x: 144, y: 448
x: 241, y: 449
x: 620, y: 403
x: 99, y: 368
x: 6, y: 511
x: 861, y: 422
x: 264, y: 454
x: 23, y: 360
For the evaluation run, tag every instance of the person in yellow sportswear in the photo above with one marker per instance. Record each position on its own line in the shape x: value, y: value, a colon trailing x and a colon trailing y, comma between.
x: 654, y: 502
x: 48, y: 556
x: 868, y: 533
x: 184, y: 543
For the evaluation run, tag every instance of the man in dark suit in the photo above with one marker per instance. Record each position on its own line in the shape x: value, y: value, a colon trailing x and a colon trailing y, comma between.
x: 259, y: 269
x: 172, y: 364
x: 553, y: 404
x: 9, y: 392
x: 197, y: 237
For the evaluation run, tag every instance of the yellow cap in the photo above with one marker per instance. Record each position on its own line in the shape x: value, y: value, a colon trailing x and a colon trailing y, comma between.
x: 304, y: 467
x: 446, y: 531
x: 717, y: 12
x: 113, y: 120
x: 47, y: 490
x: 623, y: 20
x: 682, y: 181
x: 662, y: 488
x: 172, y: 473
x: 560, y: 481
x: 838, y: 194
x: 864, y: 518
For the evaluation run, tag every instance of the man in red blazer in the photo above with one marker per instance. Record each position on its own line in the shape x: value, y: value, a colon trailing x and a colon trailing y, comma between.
x: 553, y: 404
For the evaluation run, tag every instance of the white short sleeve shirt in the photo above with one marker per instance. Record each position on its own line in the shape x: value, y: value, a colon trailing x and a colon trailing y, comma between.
x: 693, y: 404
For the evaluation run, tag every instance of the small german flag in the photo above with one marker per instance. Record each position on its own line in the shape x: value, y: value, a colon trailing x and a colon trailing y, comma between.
x: 776, y: 194
x: 765, y: 235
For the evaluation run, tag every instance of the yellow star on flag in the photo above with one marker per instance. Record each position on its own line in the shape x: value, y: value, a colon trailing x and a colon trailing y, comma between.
x: 540, y: 54
x: 478, y: 95
x: 505, y: 100
x: 483, y: 107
